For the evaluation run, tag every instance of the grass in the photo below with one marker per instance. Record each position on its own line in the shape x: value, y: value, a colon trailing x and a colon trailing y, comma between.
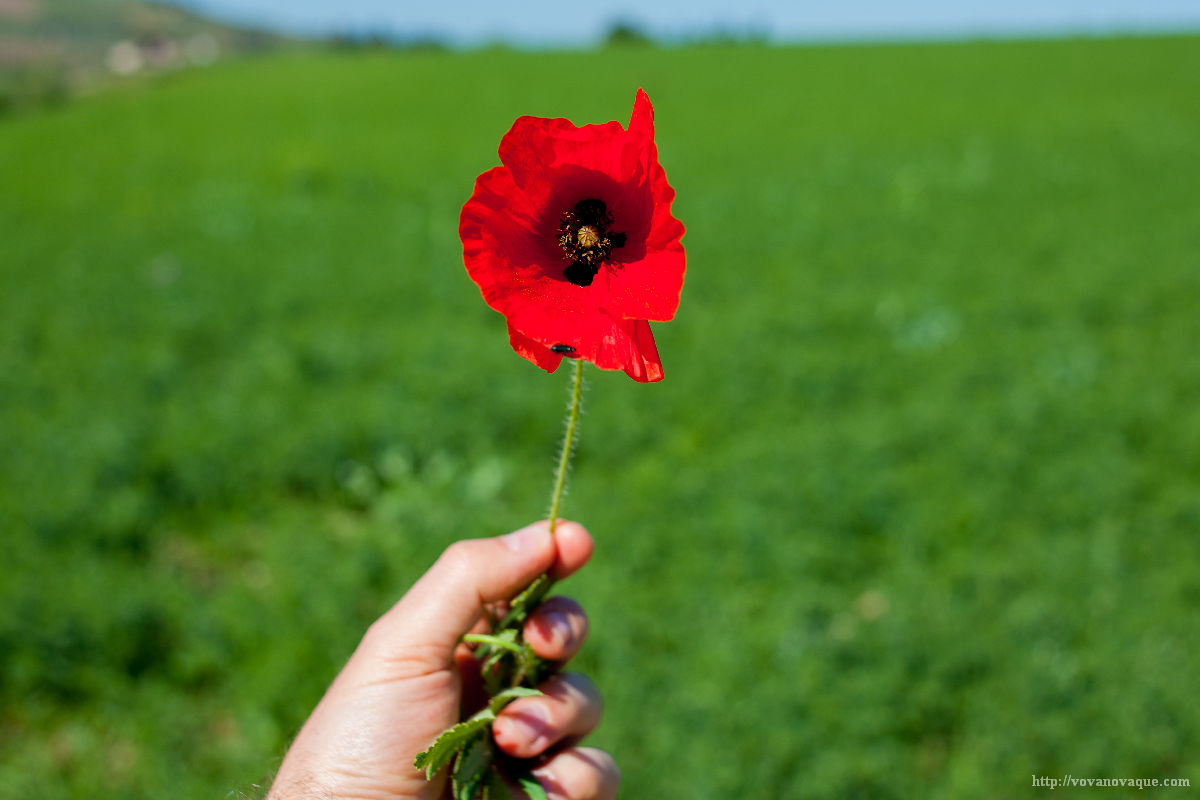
x: 912, y: 515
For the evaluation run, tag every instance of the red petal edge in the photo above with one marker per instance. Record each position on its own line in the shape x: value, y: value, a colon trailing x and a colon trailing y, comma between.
x: 533, y: 350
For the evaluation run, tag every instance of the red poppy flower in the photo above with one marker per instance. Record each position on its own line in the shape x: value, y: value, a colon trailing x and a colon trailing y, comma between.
x: 573, y: 241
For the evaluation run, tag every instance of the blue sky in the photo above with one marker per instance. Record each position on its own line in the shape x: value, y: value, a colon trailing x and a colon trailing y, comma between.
x: 550, y: 23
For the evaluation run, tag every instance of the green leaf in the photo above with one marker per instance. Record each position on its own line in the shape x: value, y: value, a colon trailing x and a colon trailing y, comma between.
x: 537, y: 669
x: 497, y: 787
x: 493, y: 658
x: 530, y: 785
x: 451, y: 741
x: 530, y: 668
x: 508, y: 695
x: 494, y: 680
x: 471, y: 768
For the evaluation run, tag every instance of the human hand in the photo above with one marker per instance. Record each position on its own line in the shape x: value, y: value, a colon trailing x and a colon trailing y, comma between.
x: 407, y: 680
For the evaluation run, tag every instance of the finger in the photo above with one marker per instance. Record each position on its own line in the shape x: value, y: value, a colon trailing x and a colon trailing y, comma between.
x: 557, y: 628
x: 474, y: 696
x: 448, y: 599
x: 581, y: 773
x: 569, y: 708
x: 575, y: 547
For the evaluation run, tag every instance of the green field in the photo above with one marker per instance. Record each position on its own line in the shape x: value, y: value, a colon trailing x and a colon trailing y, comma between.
x: 914, y: 514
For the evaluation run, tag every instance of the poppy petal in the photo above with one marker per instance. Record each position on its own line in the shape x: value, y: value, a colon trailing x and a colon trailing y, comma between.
x: 535, y: 147
x: 536, y: 352
x: 633, y: 351
x: 650, y: 289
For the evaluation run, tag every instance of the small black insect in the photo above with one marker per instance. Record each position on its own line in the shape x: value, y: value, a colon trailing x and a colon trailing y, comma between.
x: 563, y: 349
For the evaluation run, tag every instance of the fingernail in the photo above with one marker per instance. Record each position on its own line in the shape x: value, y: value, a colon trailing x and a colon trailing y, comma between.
x: 560, y: 627
x: 527, y: 729
x: 525, y: 539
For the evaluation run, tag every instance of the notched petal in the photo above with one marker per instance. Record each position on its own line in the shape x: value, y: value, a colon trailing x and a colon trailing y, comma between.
x: 545, y: 357
x: 641, y: 121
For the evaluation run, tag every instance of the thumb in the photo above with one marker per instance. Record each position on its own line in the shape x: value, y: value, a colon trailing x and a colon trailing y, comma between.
x: 448, y: 600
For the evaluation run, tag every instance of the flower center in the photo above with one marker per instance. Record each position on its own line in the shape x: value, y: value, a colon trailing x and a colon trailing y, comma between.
x: 588, y: 236
x: 583, y: 235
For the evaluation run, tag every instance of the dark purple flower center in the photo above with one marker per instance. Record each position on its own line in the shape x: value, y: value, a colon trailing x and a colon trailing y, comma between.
x: 584, y: 236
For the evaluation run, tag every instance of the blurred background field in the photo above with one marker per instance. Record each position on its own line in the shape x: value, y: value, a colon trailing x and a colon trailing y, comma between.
x: 914, y: 513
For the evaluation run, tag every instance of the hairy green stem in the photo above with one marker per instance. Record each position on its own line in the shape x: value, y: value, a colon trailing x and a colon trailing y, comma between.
x: 564, y: 458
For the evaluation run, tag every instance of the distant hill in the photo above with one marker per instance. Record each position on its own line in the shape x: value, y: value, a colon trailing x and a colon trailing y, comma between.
x: 52, y: 48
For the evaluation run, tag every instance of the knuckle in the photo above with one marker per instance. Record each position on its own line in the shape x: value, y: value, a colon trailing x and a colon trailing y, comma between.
x: 458, y: 557
x: 574, y: 527
x: 606, y: 772
x: 579, y: 684
x: 587, y: 774
x: 578, y: 701
x: 559, y: 627
x: 560, y: 604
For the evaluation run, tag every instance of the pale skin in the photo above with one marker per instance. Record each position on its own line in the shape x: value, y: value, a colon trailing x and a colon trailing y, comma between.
x: 406, y: 681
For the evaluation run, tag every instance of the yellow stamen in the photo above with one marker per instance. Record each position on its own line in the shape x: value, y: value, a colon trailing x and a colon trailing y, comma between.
x: 587, y: 236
